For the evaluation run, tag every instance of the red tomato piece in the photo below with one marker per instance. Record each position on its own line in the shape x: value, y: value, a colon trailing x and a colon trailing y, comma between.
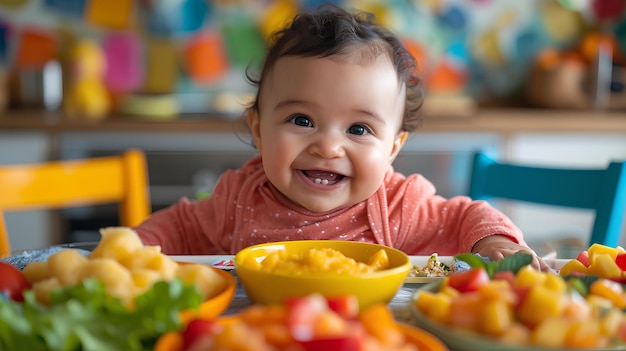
x: 583, y: 257
x: 13, y: 282
x: 345, y: 306
x: 506, y: 276
x: 303, y: 313
x: 620, y: 260
x: 342, y: 343
x: 469, y: 280
x: 521, y: 292
x: 196, y: 329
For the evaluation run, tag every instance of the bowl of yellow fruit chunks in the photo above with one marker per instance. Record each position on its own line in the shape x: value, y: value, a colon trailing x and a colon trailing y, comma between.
x: 127, y: 268
x: 598, y: 260
x: 522, y: 309
x: 271, y: 273
x: 120, y: 296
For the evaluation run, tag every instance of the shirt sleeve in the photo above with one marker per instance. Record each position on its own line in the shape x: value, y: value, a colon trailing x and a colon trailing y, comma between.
x: 195, y: 227
x: 431, y: 223
x: 170, y: 228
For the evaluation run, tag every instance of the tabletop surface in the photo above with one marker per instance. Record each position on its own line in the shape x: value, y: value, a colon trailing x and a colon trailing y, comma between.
x: 399, y: 304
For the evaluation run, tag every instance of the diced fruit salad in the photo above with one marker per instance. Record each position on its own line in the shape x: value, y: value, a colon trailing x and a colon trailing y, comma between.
x: 307, y: 323
x: 523, y: 306
x: 598, y: 260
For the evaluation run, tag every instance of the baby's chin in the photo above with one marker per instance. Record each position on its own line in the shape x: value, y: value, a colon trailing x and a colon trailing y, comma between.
x: 320, y: 208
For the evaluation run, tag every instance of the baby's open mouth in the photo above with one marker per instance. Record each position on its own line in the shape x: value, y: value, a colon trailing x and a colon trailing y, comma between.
x: 323, y: 177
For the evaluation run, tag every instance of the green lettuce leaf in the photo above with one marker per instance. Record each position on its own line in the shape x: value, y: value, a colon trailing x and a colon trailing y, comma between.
x: 509, y: 263
x: 85, y: 317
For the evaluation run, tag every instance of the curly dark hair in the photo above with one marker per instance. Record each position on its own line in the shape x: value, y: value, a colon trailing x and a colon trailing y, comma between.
x: 333, y: 31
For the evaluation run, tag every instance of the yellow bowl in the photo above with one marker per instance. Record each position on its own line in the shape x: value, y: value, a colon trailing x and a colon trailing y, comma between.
x: 370, y: 288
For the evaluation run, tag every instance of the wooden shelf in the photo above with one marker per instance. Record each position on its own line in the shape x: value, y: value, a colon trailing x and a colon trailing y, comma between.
x: 504, y: 120
x: 511, y: 120
x: 25, y: 120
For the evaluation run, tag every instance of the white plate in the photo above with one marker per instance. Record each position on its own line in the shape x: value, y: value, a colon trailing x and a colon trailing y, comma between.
x: 225, y: 262
x: 557, y: 263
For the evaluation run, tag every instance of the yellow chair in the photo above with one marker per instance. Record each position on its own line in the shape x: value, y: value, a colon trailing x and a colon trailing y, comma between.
x: 119, y: 179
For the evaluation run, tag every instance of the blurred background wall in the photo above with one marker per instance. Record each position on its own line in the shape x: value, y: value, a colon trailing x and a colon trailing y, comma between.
x: 192, y: 52
x: 175, y: 60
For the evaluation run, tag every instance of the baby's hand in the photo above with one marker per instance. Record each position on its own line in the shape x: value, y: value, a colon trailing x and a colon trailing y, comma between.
x: 496, y: 247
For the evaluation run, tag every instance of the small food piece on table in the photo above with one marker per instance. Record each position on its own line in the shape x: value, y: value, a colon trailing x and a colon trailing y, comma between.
x: 433, y: 268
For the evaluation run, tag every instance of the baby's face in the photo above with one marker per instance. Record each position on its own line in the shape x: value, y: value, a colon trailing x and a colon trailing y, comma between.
x: 328, y: 130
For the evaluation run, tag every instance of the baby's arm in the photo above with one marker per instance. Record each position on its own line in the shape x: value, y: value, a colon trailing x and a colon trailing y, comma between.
x: 497, y: 246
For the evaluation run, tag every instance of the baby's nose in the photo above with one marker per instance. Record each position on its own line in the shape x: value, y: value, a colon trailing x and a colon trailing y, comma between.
x: 328, y: 146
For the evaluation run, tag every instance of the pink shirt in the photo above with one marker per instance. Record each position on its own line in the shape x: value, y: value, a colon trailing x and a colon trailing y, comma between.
x: 245, y: 209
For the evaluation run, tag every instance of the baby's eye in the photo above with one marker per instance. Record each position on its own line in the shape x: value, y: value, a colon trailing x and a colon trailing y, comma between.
x: 301, y: 120
x: 358, y: 129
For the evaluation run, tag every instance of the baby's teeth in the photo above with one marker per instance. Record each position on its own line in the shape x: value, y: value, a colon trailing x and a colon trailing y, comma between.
x: 321, y: 181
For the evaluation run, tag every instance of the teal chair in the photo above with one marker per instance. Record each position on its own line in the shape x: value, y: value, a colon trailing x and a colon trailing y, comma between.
x: 601, y: 190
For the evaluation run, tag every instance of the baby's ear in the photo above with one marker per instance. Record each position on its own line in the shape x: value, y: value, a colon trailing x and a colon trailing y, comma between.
x: 398, y: 143
x: 254, y: 124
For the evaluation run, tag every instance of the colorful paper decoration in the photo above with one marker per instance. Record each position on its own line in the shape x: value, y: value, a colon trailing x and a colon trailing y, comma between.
x: 276, y: 16
x: 162, y: 66
x: 243, y: 41
x: 158, y: 17
x: 14, y: 4
x: 4, y: 41
x: 381, y: 11
x: 193, y: 14
x: 454, y: 17
x: 74, y: 8
x: 605, y: 10
x: 488, y: 48
x: 123, y: 56
x: 36, y: 47
x: 312, y: 4
x: 574, y: 5
x: 204, y: 57
x: 447, y: 77
x: 561, y: 25
x: 114, y: 14
x: 527, y: 44
x: 419, y: 53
